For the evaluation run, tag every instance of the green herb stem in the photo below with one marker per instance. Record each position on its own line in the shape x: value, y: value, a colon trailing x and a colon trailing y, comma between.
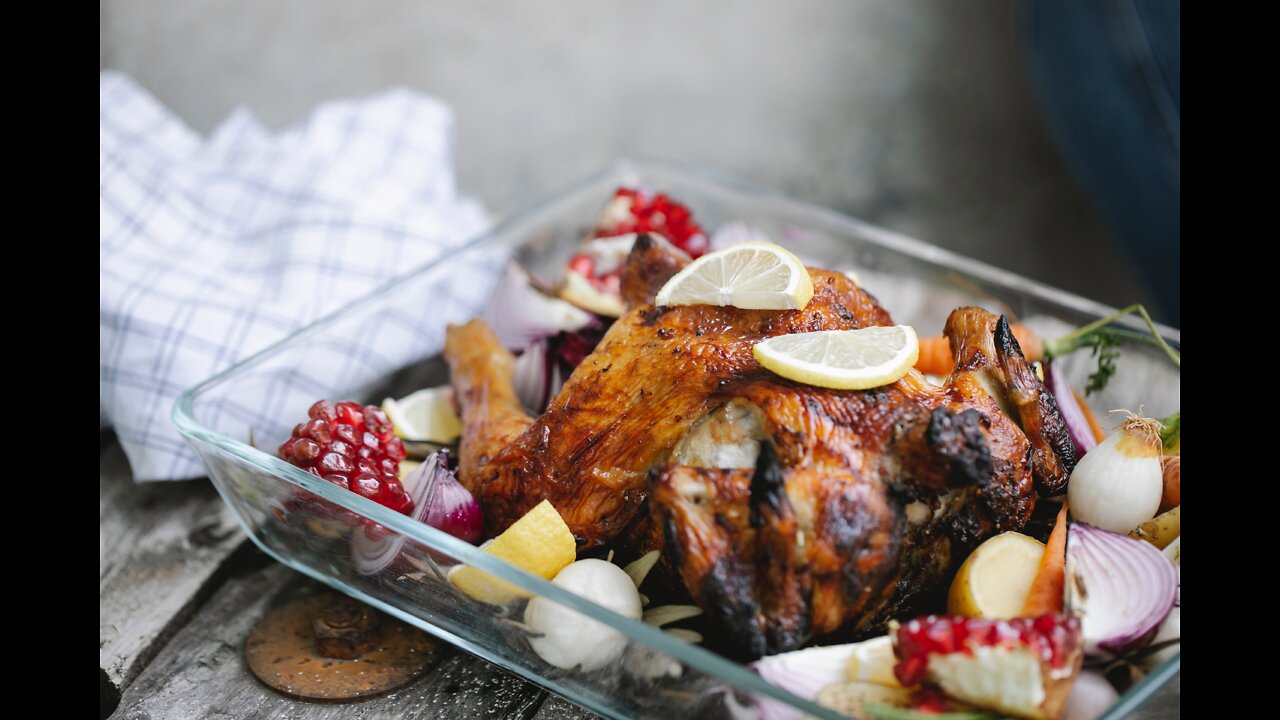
x: 1105, y: 341
x: 1085, y: 336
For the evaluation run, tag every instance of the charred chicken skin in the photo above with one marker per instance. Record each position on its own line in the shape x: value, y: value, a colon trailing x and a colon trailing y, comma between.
x: 788, y: 511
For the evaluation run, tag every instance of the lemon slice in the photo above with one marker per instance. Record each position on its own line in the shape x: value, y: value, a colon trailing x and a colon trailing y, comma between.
x: 842, y: 359
x: 754, y: 275
x: 539, y: 542
x: 426, y: 415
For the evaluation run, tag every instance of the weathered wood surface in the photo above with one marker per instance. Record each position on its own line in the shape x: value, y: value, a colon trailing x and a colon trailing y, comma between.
x: 161, y: 550
x: 201, y: 674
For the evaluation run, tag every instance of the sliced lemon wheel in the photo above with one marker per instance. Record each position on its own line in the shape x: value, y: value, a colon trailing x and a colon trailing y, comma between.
x: 753, y: 275
x: 426, y: 415
x: 539, y: 542
x: 842, y: 359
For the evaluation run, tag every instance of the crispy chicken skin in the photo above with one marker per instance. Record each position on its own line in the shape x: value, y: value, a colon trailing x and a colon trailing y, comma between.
x: 655, y: 372
x: 987, y: 353
x: 855, y: 503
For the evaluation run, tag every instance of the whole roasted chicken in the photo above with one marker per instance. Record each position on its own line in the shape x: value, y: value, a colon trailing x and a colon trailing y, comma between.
x: 788, y: 511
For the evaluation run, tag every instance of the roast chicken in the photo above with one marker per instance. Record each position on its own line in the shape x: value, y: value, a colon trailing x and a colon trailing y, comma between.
x: 787, y: 511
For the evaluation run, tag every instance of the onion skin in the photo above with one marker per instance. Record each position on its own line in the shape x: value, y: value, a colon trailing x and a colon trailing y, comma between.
x: 450, y: 506
x: 1123, y: 588
x: 519, y: 313
x: 439, y: 500
x: 374, y: 548
x: 802, y: 673
x: 537, y: 377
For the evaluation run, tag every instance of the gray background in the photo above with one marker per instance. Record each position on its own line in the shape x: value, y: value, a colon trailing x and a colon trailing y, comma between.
x: 914, y: 115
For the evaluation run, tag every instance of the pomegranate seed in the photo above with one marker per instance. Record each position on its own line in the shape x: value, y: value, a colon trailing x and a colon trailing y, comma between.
x: 1055, y: 638
x: 367, y: 485
x: 582, y: 265
x: 335, y: 463
x: 658, y: 214
x: 345, y: 433
x: 350, y: 413
x: 318, y: 430
x: 305, y: 450
x: 376, y: 420
x: 323, y: 410
x: 352, y: 447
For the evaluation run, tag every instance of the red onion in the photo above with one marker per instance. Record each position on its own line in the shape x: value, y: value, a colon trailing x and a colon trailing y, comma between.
x: 537, y: 376
x: 439, y: 500
x: 520, y: 313
x: 450, y: 507
x: 1123, y: 587
x: 802, y: 673
x: 1077, y: 423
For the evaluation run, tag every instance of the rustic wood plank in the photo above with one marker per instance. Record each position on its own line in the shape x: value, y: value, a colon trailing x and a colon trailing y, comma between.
x: 201, y: 673
x: 162, y: 547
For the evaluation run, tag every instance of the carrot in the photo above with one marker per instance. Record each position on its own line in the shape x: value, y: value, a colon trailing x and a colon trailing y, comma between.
x: 935, y: 351
x: 935, y: 355
x: 1098, y: 433
x: 1047, y: 587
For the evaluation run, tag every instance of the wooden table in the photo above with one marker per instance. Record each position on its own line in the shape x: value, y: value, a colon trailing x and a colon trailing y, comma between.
x: 181, y: 586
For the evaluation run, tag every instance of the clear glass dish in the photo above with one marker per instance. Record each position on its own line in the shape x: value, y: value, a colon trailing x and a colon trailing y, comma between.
x: 306, y: 523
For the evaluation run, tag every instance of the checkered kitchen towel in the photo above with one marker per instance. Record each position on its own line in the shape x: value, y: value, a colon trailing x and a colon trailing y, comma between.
x: 212, y: 248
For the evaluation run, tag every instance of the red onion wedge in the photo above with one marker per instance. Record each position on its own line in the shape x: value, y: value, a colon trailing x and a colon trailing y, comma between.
x: 546, y: 363
x: 1122, y: 587
x: 520, y: 313
x: 439, y: 500
x: 1072, y: 415
x: 802, y: 673
x: 537, y: 376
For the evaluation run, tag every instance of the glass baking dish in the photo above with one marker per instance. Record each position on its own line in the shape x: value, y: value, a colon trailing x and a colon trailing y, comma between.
x: 307, y: 523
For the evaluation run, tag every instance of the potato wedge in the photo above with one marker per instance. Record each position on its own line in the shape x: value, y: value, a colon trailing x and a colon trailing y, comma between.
x: 995, y: 579
x: 1161, y: 529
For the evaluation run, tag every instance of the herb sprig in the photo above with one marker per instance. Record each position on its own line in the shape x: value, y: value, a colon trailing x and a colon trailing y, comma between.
x: 1105, y: 342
